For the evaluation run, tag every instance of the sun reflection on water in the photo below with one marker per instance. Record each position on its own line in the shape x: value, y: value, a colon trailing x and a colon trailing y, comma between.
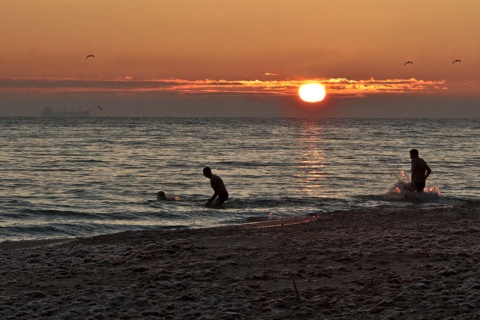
x: 311, y: 160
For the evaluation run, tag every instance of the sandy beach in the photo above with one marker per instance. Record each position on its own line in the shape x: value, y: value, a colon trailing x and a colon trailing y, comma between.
x: 411, y: 263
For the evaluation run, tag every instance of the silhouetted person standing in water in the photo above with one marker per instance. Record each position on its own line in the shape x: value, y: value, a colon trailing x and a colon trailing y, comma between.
x: 217, y: 185
x: 420, y: 171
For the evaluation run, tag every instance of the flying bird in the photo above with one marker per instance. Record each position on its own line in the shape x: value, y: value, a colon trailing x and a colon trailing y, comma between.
x: 456, y: 61
x: 99, y: 108
x: 90, y: 56
x: 408, y: 62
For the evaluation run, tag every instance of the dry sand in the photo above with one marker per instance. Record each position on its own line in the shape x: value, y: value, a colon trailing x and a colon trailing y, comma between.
x: 378, y: 264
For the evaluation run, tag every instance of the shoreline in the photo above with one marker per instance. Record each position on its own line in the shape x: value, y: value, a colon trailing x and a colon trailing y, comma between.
x: 38, y: 243
x: 368, y: 264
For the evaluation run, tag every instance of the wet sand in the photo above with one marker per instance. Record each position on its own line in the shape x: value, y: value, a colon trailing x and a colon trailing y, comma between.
x: 378, y: 264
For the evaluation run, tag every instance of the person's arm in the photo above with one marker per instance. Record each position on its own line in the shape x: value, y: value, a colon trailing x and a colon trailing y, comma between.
x: 414, y: 168
x: 212, y: 198
x: 214, y: 187
x: 428, y: 172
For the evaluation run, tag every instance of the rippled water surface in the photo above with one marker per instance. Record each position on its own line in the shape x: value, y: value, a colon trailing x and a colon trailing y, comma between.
x: 80, y: 177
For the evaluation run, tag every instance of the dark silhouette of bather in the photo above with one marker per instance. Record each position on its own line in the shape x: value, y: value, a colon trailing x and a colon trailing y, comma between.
x: 218, y: 186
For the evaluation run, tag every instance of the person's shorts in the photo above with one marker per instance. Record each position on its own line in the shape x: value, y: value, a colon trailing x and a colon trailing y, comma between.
x: 419, y: 186
x: 222, y: 197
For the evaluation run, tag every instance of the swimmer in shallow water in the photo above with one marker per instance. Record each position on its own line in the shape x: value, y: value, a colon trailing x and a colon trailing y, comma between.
x: 420, y: 171
x: 161, y: 196
x: 221, y: 193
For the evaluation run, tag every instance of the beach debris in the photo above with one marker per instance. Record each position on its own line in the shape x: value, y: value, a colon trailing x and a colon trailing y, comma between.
x: 296, y: 290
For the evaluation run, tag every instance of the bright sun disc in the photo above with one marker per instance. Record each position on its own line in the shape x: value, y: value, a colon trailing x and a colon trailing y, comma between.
x: 312, y: 92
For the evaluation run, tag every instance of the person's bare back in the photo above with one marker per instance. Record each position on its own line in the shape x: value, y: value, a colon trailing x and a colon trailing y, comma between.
x: 420, y: 171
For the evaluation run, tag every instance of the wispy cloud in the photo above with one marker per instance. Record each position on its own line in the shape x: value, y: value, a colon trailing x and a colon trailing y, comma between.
x: 286, y: 87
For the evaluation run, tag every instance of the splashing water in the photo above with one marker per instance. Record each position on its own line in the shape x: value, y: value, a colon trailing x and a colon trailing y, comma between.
x: 402, y: 189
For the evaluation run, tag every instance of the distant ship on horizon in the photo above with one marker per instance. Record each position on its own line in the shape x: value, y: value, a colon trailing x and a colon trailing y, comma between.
x: 49, y: 112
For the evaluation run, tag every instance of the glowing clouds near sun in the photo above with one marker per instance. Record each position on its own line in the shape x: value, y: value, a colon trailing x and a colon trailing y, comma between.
x: 312, y: 92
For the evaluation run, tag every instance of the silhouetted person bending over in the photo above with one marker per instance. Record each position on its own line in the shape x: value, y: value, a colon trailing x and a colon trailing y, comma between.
x: 217, y: 185
x: 420, y: 171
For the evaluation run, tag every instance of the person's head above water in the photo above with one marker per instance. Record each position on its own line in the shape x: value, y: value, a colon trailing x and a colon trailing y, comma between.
x: 161, y: 195
x: 207, y: 172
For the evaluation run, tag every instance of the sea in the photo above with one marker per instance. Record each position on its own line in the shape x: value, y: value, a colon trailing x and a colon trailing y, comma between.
x: 80, y: 177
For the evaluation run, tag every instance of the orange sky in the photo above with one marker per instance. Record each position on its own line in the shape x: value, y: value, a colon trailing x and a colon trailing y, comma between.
x: 355, y: 47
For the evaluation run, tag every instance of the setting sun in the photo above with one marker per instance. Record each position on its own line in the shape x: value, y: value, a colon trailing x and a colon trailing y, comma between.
x: 312, y: 92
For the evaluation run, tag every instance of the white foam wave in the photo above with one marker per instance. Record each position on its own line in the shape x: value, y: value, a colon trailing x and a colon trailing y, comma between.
x: 402, y: 189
